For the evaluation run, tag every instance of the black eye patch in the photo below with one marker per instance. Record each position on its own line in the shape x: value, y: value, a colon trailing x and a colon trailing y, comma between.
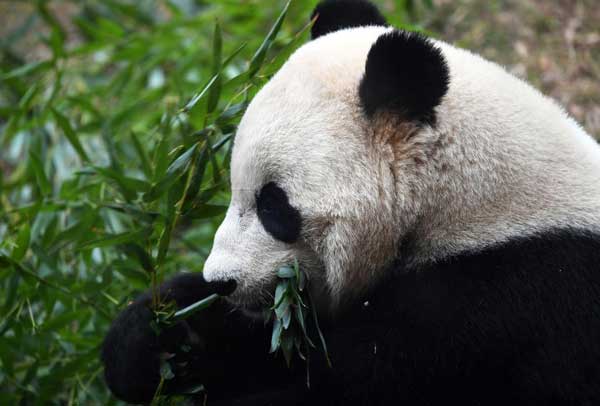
x: 276, y: 214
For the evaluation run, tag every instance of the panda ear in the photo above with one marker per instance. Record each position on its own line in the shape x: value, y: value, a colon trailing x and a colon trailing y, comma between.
x: 406, y: 73
x: 334, y: 15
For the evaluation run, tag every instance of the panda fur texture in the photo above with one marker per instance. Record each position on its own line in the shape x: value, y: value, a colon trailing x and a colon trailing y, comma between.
x: 446, y: 213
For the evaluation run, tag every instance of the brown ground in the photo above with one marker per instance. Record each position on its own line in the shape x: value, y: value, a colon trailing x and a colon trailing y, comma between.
x: 554, y: 44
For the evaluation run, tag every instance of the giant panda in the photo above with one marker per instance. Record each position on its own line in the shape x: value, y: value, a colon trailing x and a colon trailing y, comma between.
x: 446, y: 213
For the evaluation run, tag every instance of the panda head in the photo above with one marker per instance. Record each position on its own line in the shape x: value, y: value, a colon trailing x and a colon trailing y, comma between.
x: 311, y: 173
x: 373, y: 145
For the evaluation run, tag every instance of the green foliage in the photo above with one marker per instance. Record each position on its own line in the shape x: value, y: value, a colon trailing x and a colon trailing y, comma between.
x: 115, y: 138
x: 290, y: 312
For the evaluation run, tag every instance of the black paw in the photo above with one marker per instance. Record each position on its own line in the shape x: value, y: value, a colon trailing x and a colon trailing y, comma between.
x: 134, y: 350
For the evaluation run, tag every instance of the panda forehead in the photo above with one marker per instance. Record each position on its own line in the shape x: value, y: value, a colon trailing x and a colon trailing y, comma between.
x: 335, y: 61
x: 306, y: 121
x: 313, y: 95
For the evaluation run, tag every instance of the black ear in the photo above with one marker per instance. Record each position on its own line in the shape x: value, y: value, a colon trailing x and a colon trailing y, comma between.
x: 334, y: 15
x: 405, y: 72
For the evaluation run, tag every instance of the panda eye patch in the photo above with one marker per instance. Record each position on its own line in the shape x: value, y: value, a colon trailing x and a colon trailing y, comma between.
x: 277, y: 216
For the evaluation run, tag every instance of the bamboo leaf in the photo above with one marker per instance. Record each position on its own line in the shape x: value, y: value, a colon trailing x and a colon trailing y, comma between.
x: 215, y: 90
x: 28, y: 69
x: 286, y: 51
x: 22, y: 242
x: 198, y: 97
x: 260, y: 55
x: 114, y: 239
x: 63, y: 123
x: 276, y: 335
x: 205, y: 211
x: 286, y: 272
x: 141, y: 153
x: 133, y: 249
x: 40, y: 175
x: 195, y: 307
x: 175, y: 170
x: 196, y: 181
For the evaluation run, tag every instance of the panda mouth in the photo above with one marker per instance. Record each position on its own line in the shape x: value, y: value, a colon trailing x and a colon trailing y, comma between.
x: 255, y: 310
x: 256, y: 305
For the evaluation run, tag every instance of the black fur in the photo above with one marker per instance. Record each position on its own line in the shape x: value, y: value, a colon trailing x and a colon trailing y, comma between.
x: 407, y: 73
x: 277, y: 216
x: 131, y: 349
x: 515, y: 324
x: 334, y: 15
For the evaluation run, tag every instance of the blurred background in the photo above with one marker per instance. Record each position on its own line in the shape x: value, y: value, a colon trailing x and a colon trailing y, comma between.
x: 116, y: 121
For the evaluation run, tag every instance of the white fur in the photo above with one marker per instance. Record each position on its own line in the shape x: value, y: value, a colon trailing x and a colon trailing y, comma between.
x: 503, y: 161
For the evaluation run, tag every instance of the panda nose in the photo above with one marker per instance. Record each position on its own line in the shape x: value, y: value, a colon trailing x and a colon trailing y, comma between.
x: 224, y: 288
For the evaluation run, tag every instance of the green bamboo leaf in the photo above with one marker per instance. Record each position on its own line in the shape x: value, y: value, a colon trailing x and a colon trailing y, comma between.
x: 22, y: 242
x: 300, y: 317
x: 321, y: 336
x: 199, y: 96
x: 236, y: 82
x: 25, y: 102
x: 12, y: 288
x: 207, y: 194
x: 57, y: 34
x: 226, y: 138
x: 164, y: 242
x: 284, y: 53
x: 5, y: 262
x: 283, y: 306
x: 235, y: 53
x: 28, y: 69
x: 63, y: 123
x: 40, y: 175
x: 280, y: 292
x: 276, y: 335
x: 11, y: 128
x: 110, y: 29
x: 74, y: 233
x: 128, y: 186
x: 287, y: 345
x: 216, y: 79
x: 134, y: 211
x: 141, y: 153
x: 215, y: 90
x: 193, y: 389
x: 83, y: 101
x: 131, y: 272
x: 206, y: 211
x: 31, y: 373
x: 133, y: 11
x: 182, y: 161
x: 175, y: 170
x: 161, y: 159
x: 215, y: 166
x: 231, y: 113
x: 61, y: 321
x: 136, y: 251
x: 195, y: 307
x: 165, y: 370
x: 259, y: 57
x: 173, y: 196
x: 286, y: 317
x: 196, y: 180
x: 286, y: 272
x: 173, y: 7
x: 115, y: 239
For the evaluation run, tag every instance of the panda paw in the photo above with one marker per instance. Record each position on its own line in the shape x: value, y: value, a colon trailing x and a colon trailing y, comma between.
x: 133, y: 352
